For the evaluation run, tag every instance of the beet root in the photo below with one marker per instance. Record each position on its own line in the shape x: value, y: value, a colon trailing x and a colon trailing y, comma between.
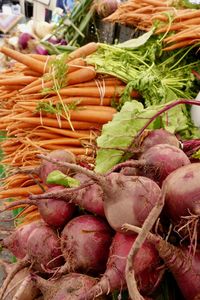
x: 125, y: 198
x: 43, y: 249
x: 56, y: 213
x: 69, y: 287
x: 158, y: 136
x: 85, y: 243
x: 161, y: 160
x: 47, y: 167
x: 146, y: 268
x: 17, y: 241
x: 89, y: 196
x: 182, y: 205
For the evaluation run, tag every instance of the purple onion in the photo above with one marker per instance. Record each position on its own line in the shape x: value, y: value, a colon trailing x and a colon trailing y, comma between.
x: 41, y: 50
x: 23, y: 40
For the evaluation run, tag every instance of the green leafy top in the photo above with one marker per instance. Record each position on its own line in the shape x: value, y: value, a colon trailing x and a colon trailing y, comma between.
x: 121, y: 131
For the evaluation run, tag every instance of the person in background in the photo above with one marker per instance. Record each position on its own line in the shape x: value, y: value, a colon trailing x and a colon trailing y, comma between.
x: 66, y: 5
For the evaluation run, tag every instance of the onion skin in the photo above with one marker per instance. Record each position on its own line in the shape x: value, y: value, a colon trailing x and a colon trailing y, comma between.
x: 104, y: 8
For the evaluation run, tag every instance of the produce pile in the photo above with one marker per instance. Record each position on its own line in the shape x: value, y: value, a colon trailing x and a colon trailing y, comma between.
x: 99, y: 146
x: 171, y: 18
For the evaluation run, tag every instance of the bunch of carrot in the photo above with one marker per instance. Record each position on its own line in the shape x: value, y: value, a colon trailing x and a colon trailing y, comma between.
x: 179, y: 25
x: 39, y: 115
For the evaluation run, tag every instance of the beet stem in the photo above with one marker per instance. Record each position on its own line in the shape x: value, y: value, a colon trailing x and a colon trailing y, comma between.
x: 25, y: 285
x: 145, y: 230
x: 99, y: 179
x: 128, y: 163
x: 16, y: 203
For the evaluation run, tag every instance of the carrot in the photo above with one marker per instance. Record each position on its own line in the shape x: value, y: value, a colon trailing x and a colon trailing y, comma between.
x: 110, y: 91
x: 83, y: 51
x: 81, y: 75
x: 100, y: 81
x: 32, y: 63
x: 17, y: 80
x: 91, y: 116
x: 60, y: 141
x: 31, y: 73
x: 178, y: 45
x: 43, y: 58
x: 87, y: 100
x: 75, y: 150
x: 99, y: 108
x: 18, y: 191
x: 75, y: 134
x: 185, y: 16
x: 155, y: 3
x: 54, y: 123
x: 179, y: 26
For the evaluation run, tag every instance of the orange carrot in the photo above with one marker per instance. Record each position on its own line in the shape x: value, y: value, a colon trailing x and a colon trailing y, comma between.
x: 110, y: 91
x: 17, y: 80
x: 100, y: 117
x: 178, y: 26
x: 31, y: 73
x: 155, y: 3
x: 25, y: 191
x: 32, y: 63
x: 178, y: 45
x: 43, y: 58
x: 54, y: 123
x: 75, y: 134
x: 87, y: 100
x: 83, y: 51
x: 185, y: 16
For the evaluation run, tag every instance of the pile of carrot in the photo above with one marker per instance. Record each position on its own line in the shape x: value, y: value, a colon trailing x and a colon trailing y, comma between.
x: 39, y: 117
x: 180, y: 25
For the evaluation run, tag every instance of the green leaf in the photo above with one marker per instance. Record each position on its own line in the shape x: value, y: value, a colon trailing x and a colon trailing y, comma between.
x: 57, y: 177
x: 137, y: 42
x: 120, y: 132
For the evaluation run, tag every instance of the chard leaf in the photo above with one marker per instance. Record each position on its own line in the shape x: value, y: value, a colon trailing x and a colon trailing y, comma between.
x: 136, y: 42
x: 57, y: 177
x: 120, y: 132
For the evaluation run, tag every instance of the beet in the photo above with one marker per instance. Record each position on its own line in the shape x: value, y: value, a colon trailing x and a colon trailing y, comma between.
x: 145, y: 266
x: 17, y: 241
x: 85, y: 243
x: 47, y: 167
x: 161, y: 160
x: 126, y: 199
x: 69, y: 287
x: 158, y: 136
x: 43, y: 249
x: 55, y: 212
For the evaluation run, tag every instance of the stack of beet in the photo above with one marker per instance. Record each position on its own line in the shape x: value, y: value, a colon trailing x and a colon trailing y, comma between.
x: 79, y: 249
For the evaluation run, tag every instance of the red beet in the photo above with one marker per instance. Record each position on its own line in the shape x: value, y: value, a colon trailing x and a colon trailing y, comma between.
x: 161, y: 160
x: 126, y: 199
x: 85, y: 243
x: 47, y: 167
x: 43, y: 249
x: 145, y: 266
x: 69, y: 287
x: 158, y: 136
x: 17, y: 241
x: 55, y: 212
x: 183, y: 192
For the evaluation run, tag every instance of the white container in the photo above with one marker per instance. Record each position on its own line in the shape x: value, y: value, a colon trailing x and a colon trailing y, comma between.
x: 195, y: 112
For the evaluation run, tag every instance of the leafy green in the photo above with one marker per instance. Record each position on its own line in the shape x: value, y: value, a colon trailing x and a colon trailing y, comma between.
x: 136, y: 42
x: 121, y: 131
x: 57, y: 177
x: 159, y: 77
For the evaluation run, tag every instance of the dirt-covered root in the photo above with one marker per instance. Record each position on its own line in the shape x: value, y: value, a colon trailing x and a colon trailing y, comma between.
x: 16, y: 268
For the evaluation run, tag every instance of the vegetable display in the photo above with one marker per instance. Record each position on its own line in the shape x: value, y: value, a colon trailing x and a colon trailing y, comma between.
x: 101, y: 158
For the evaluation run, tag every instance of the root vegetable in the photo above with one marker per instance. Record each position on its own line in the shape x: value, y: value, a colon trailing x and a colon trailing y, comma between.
x: 56, y: 213
x: 125, y: 198
x: 184, y: 265
x: 47, y: 167
x: 145, y: 267
x: 21, y: 284
x: 85, y: 243
x: 68, y: 287
x: 161, y: 160
x: 17, y: 241
x: 158, y: 136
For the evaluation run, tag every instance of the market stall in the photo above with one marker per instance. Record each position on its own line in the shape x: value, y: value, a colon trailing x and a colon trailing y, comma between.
x: 100, y: 153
